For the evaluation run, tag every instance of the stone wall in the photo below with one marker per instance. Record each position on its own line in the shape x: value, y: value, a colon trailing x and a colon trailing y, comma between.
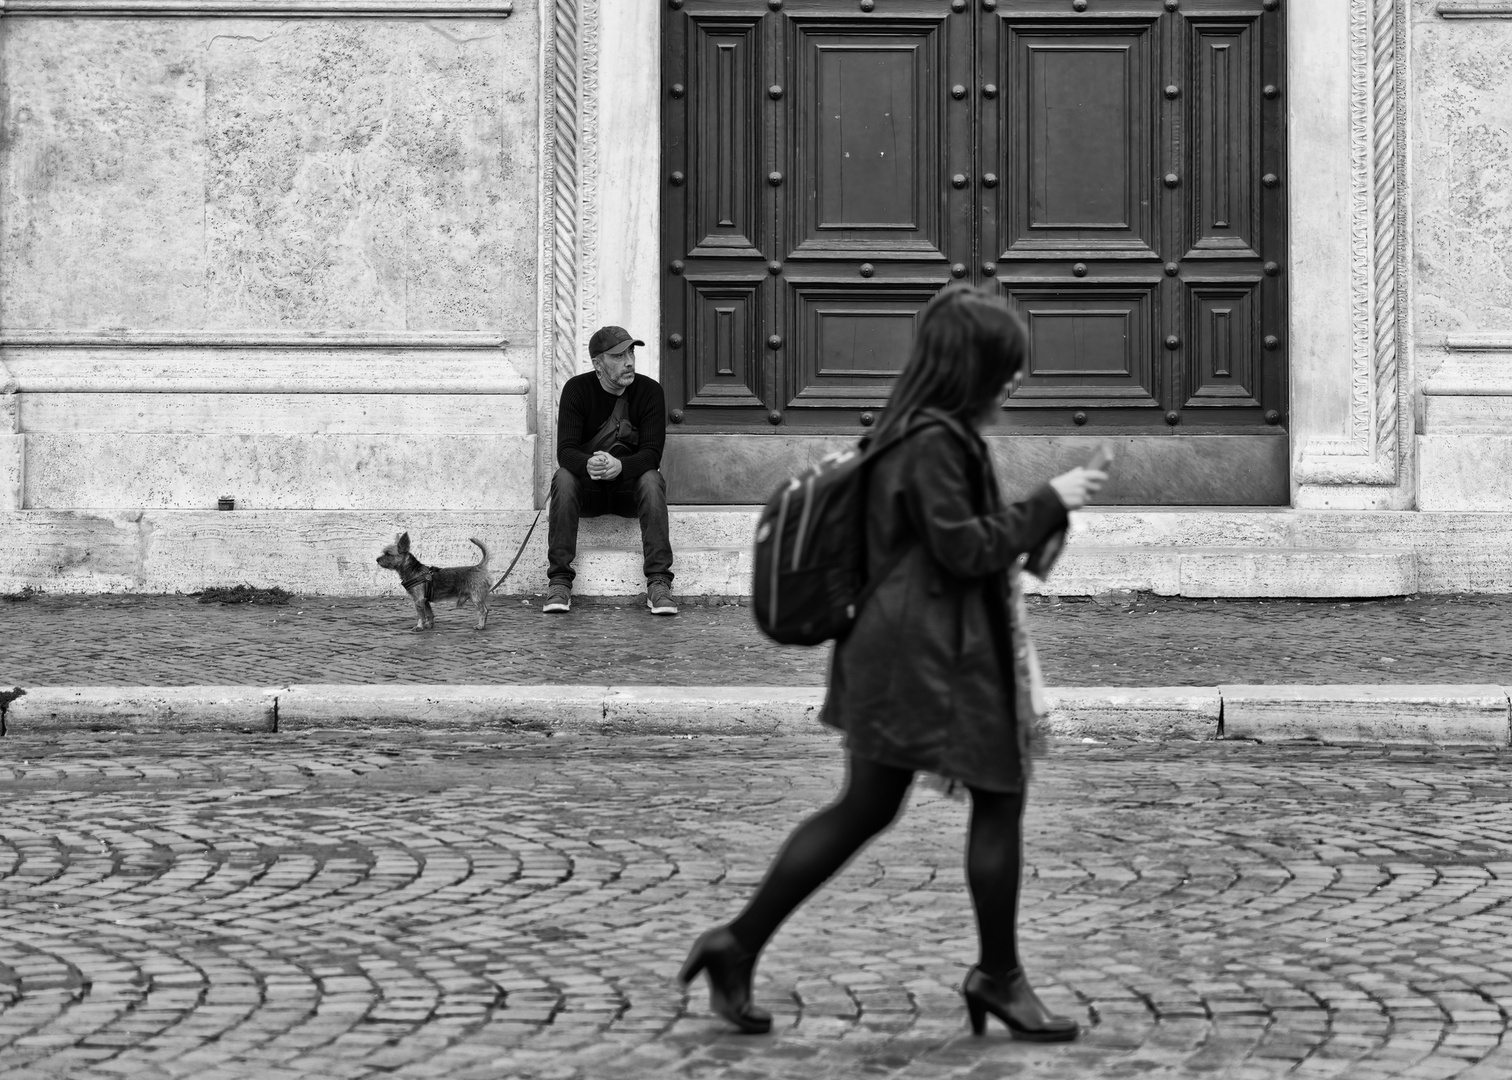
x: 292, y: 260
x: 1462, y: 252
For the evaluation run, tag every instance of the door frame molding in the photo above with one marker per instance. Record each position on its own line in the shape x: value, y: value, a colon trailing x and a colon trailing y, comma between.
x: 1349, y: 362
x: 1350, y: 418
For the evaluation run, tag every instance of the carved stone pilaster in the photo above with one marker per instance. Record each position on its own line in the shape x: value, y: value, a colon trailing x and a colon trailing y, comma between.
x: 1369, y: 452
x: 570, y: 197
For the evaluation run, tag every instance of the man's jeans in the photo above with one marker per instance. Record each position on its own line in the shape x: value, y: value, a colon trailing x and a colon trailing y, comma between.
x: 572, y: 498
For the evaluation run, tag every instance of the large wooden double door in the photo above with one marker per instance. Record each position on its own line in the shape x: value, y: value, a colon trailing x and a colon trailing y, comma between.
x: 1114, y: 168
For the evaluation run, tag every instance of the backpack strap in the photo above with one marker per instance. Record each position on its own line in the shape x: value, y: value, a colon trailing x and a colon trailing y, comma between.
x: 871, y: 452
x: 951, y: 424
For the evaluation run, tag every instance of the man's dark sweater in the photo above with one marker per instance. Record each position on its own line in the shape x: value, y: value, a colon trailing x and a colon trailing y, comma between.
x: 586, y: 405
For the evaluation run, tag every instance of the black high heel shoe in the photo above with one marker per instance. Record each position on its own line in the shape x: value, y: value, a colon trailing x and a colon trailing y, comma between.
x: 730, y: 969
x: 1012, y: 1000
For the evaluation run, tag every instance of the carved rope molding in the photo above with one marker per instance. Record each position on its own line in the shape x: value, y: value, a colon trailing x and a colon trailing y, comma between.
x: 266, y: 9
x: 569, y: 111
x: 561, y: 159
x: 588, y: 290
x: 1369, y: 453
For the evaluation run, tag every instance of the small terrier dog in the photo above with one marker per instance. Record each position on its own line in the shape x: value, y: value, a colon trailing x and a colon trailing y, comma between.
x: 427, y: 583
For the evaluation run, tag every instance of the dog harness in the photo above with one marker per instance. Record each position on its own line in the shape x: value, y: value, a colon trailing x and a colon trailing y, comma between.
x: 427, y: 574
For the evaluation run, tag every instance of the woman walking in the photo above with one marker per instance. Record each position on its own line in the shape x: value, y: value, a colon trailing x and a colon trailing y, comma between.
x: 935, y: 673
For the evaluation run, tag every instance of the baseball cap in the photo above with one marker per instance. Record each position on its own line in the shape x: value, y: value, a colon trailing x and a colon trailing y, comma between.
x: 612, y: 340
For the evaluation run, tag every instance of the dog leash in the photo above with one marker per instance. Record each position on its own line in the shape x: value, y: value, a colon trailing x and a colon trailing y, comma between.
x: 529, y: 533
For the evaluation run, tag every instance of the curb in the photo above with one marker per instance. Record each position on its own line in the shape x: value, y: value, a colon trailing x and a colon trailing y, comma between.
x: 140, y: 709
x: 1441, y: 714
x: 1399, y: 713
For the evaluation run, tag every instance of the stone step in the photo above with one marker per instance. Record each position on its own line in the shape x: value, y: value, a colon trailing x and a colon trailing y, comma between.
x: 1084, y: 569
x: 691, y: 526
x: 1315, y: 573
x: 1168, y: 552
x: 721, y: 571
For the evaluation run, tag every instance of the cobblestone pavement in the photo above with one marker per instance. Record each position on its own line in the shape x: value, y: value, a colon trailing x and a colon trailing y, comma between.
x: 345, y: 907
x: 1132, y: 641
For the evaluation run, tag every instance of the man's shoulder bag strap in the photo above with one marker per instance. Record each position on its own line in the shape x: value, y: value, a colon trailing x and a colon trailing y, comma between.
x: 609, y: 433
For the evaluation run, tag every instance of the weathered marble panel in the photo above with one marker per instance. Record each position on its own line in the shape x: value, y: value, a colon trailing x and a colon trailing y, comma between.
x: 316, y: 174
x: 12, y: 459
x: 1465, y: 472
x: 277, y: 414
x: 279, y: 472
x: 1461, y: 176
x: 364, y: 175
x: 104, y: 164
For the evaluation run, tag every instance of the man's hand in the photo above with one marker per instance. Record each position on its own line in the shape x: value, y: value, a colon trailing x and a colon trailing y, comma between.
x: 604, y: 466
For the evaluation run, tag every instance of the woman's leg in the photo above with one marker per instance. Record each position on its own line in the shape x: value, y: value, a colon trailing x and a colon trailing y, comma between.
x: 821, y: 846
x: 994, y: 865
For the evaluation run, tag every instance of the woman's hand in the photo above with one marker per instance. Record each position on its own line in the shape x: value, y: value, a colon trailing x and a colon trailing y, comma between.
x: 1077, y: 487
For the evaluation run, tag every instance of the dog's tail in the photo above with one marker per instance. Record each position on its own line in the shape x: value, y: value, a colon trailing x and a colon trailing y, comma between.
x: 483, y: 561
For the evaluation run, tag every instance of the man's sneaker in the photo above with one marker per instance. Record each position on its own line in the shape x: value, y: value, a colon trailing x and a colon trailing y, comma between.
x: 558, y: 598
x: 659, y: 598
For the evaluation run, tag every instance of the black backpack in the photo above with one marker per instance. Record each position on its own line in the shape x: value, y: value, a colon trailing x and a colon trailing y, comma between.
x: 810, y: 573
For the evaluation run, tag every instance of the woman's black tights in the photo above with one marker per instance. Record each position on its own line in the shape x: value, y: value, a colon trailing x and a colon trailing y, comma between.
x: 873, y: 794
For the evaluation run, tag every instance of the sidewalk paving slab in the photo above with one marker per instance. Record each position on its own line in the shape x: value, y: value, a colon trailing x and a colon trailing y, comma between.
x: 1445, y: 714
x: 1135, y: 641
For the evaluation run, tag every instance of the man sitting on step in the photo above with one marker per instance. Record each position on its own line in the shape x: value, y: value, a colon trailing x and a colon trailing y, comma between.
x: 611, y: 427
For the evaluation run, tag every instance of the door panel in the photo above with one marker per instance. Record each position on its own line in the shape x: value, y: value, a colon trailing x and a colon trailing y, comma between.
x: 1114, y: 174
x: 1088, y: 343
x: 1225, y: 141
x: 726, y: 320
x: 864, y: 133
x: 1077, y: 122
x: 866, y: 151
x: 726, y: 161
x: 851, y: 342
x: 869, y: 130
x: 1226, y: 351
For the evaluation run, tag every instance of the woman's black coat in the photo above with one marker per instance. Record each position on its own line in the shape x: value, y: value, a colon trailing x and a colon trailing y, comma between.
x: 926, y: 677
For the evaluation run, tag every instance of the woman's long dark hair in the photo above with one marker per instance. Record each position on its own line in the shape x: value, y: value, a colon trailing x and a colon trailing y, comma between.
x: 968, y: 346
